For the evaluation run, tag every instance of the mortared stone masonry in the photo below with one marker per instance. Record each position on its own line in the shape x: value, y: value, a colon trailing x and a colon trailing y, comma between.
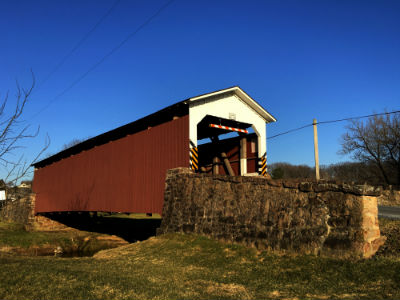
x: 322, y: 218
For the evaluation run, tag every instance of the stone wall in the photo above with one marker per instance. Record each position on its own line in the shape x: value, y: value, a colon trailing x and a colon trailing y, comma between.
x: 390, y: 196
x: 303, y: 217
x: 20, y: 210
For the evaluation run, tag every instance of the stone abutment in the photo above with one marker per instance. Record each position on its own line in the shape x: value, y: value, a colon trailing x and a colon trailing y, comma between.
x: 321, y: 218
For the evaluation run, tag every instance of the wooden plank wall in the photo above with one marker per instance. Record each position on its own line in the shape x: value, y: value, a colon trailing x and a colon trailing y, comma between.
x: 126, y: 175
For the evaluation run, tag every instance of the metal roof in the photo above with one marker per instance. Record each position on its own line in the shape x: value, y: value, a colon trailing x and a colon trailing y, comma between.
x: 178, y: 109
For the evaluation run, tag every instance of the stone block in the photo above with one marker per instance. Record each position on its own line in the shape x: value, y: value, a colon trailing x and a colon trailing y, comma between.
x: 275, y: 182
x: 306, y: 187
x: 290, y: 184
x: 326, y: 187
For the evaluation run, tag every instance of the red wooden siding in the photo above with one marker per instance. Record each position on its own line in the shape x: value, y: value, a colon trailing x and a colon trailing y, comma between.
x: 126, y: 175
x: 252, y: 154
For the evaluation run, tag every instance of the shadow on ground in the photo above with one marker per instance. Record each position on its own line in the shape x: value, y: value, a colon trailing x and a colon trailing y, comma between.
x: 131, y: 230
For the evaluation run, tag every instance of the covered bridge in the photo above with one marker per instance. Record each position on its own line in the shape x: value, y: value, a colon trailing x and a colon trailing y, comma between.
x: 123, y: 170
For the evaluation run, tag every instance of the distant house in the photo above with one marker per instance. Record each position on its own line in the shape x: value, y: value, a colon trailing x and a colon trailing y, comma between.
x: 25, y: 184
x: 2, y: 190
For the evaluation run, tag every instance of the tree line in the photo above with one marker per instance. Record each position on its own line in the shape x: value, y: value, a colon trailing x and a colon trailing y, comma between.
x: 351, y: 172
x: 374, y: 145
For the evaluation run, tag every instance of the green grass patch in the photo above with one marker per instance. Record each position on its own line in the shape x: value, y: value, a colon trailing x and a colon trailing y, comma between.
x: 14, y: 235
x: 178, y: 266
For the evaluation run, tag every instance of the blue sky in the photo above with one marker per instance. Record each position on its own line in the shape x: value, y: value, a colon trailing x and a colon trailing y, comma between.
x: 299, y: 59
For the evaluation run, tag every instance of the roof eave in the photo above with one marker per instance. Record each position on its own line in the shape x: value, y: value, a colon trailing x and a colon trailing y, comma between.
x: 242, y: 95
x: 179, y: 109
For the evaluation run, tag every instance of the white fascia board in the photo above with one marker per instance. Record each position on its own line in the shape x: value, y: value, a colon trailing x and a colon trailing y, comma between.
x: 253, y: 104
x: 244, y: 97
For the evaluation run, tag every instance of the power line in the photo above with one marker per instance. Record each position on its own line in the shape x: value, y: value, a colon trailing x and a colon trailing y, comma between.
x: 334, y: 121
x: 361, y: 117
x: 79, y: 43
x: 80, y: 78
x: 289, y: 131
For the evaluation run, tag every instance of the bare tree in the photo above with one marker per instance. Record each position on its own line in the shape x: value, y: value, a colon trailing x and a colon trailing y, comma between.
x: 13, y: 132
x: 356, y: 172
x: 376, y: 142
x: 73, y: 142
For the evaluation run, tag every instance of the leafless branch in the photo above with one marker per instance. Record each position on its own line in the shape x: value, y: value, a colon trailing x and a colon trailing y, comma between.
x: 377, y: 141
x: 12, y: 135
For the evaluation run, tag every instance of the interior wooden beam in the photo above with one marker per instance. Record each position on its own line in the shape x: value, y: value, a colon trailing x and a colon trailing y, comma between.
x: 227, y: 164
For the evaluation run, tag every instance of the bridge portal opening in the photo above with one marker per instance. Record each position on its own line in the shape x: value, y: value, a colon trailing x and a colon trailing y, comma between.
x: 226, y: 146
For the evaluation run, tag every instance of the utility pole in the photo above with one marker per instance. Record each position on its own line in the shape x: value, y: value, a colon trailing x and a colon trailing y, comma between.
x: 316, y: 150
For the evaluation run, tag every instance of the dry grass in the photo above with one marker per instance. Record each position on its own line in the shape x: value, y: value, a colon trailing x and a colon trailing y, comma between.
x: 390, y: 229
x: 15, y: 240
x: 177, y: 266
